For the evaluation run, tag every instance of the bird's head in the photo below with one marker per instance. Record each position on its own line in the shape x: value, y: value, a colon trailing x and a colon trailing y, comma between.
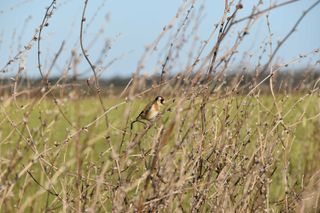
x: 159, y: 100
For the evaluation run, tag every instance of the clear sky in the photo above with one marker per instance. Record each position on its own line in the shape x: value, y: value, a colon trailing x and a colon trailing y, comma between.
x: 131, y: 25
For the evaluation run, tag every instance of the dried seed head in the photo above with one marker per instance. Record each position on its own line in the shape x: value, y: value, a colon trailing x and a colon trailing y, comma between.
x: 239, y: 6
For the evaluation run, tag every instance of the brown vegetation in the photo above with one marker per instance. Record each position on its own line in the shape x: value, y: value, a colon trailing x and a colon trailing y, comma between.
x: 239, y: 142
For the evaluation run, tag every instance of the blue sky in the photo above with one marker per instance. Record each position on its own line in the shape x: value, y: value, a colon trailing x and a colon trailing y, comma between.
x: 131, y: 25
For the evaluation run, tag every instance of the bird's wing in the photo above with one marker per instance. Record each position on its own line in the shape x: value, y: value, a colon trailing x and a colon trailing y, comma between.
x: 145, y: 110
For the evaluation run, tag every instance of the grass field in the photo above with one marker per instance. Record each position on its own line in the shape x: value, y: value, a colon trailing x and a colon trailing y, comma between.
x: 234, y: 153
x: 239, y: 130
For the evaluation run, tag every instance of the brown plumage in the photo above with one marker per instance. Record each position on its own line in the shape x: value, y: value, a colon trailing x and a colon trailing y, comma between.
x: 150, y: 112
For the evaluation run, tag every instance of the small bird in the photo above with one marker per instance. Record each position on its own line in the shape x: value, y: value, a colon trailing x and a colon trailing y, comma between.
x: 150, y: 112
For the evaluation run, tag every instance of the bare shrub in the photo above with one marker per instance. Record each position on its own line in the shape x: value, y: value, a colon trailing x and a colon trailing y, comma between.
x: 246, y: 141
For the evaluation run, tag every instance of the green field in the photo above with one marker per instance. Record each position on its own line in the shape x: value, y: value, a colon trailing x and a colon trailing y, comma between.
x: 246, y: 153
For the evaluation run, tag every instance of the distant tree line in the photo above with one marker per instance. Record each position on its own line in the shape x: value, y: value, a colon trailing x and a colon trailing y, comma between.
x: 288, y: 81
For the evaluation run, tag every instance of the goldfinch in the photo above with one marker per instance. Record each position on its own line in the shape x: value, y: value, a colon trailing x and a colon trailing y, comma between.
x: 150, y: 112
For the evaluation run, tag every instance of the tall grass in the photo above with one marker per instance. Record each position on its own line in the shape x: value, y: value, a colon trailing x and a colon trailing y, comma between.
x: 221, y: 144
